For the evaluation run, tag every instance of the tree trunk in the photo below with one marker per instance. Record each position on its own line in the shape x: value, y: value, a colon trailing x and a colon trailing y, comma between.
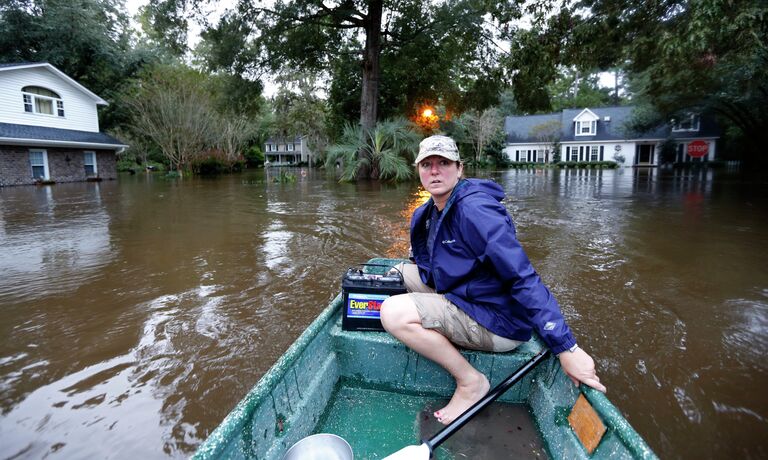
x: 369, y: 100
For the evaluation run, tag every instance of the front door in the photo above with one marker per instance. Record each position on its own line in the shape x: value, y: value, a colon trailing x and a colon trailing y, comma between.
x: 644, y: 154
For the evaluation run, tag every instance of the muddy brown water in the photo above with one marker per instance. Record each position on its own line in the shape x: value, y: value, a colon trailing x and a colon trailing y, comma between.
x: 134, y: 314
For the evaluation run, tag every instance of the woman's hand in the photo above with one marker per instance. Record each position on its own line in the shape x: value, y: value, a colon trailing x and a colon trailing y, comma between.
x: 580, y: 367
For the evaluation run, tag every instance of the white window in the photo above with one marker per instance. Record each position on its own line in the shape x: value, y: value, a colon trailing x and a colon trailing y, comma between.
x: 594, y: 154
x: 586, y: 128
x: 38, y: 160
x: 42, y: 101
x: 89, y: 161
x: 291, y: 147
x: 686, y: 123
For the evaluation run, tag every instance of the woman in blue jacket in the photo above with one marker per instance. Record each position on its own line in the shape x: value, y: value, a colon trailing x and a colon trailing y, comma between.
x: 472, y: 284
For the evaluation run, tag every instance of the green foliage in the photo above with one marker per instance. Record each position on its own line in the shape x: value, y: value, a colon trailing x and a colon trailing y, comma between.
x: 438, y: 52
x: 479, y: 129
x: 587, y: 165
x: 572, y: 89
x: 385, y: 152
x: 174, y: 110
x: 708, y: 55
x: 507, y: 103
x: 234, y: 94
x: 533, y: 60
x: 164, y: 22
x: 298, y: 111
x: 344, y: 92
x: 495, y: 150
x: 254, y: 156
x: 668, y: 151
x: 425, y: 52
x: 127, y: 164
x: 565, y: 165
x: 284, y: 177
x: 213, y: 162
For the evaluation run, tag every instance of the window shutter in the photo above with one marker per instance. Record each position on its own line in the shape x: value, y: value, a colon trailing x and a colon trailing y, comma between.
x: 602, y: 148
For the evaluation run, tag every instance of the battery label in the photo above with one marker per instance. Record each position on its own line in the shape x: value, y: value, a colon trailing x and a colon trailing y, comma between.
x: 364, y: 305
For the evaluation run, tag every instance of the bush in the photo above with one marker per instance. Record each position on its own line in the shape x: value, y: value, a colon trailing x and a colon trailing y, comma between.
x: 587, y: 164
x: 529, y: 165
x: 126, y: 164
x: 214, y: 161
x: 284, y: 177
x: 254, y: 156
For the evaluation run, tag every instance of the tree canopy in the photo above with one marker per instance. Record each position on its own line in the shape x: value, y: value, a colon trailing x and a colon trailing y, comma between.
x: 681, y: 55
x: 399, y: 52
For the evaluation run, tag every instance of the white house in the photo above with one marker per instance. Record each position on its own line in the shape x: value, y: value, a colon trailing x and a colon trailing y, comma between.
x: 49, y: 128
x: 282, y: 152
x: 600, y: 134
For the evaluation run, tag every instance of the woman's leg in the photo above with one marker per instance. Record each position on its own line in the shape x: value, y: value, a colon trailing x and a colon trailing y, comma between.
x: 401, y: 318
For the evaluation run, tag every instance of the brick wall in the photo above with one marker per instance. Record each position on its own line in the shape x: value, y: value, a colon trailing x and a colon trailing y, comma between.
x: 64, y: 165
x: 14, y: 166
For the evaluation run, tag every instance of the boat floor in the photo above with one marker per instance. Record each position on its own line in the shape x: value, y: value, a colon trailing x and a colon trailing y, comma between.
x: 377, y: 423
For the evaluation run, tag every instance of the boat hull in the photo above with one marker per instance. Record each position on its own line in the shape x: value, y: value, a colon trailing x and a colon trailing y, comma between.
x: 371, y: 390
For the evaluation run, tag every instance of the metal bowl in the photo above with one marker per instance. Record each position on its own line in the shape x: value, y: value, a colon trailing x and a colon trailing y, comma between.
x: 321, y: 446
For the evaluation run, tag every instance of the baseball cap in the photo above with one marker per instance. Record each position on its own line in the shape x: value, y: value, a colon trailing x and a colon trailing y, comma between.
x: 442, y: 146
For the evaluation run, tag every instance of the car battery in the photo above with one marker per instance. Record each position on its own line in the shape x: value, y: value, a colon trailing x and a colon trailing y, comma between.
x: 363, y: 295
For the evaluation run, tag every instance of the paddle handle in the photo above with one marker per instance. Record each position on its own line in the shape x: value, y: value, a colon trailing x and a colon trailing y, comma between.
x: 491, y: 396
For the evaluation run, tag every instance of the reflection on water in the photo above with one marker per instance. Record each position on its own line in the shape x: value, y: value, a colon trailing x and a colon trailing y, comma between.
x: 50, y: 246
x: 137, y: 313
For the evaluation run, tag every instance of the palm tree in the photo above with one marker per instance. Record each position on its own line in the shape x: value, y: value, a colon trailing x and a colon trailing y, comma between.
x: 385, y: 152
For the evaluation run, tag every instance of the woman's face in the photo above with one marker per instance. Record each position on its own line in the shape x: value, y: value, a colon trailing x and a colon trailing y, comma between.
x: 438, y: 176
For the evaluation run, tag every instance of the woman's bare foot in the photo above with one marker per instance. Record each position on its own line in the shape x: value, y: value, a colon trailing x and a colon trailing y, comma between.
x: 468, y: 392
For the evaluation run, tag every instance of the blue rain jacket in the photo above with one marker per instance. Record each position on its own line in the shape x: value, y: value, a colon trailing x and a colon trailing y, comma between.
x: 480, y: 266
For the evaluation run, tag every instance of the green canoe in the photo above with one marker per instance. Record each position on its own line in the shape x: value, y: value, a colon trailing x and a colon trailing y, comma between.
x: 378, y: 395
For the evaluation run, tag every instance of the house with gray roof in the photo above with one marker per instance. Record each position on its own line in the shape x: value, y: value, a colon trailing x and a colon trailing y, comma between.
x: 602, y: 134
x: 289, y: 151
x: 49, y: 128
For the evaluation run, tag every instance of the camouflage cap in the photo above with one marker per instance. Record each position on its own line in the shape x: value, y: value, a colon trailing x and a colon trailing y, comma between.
x: 442, y: 146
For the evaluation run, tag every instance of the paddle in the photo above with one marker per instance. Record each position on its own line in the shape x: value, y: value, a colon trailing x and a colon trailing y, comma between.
x: 426, y: 448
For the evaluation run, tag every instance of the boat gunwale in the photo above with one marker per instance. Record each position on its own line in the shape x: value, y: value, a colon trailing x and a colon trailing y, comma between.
x: 239, y: 416
x: 612, y: 417
x: 237, y: 419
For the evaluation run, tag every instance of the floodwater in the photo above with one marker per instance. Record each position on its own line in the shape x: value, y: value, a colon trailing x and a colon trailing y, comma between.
x: 134, y: 314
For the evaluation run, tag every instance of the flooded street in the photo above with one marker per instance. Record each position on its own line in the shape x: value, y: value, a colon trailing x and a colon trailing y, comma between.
x: 134, y: 314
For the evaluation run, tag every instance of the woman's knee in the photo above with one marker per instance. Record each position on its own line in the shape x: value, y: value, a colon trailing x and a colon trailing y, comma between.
x: 396, y: 311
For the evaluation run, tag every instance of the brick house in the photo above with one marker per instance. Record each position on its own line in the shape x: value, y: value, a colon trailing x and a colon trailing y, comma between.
x: 49, y: 128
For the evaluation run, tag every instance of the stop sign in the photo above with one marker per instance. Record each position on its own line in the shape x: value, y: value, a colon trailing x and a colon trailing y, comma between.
x: 697, y: 149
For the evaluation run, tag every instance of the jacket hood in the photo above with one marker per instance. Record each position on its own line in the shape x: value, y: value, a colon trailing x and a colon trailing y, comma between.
x: 472, y: 186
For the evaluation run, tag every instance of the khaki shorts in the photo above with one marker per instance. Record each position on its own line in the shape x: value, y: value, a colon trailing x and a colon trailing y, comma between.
x: 439, y: 314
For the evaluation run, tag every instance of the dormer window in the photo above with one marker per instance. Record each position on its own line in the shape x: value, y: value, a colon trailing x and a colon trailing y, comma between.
x: 586, y: 128
x: 585, y: 123
x: 689, y: 122
x: 42, y: 101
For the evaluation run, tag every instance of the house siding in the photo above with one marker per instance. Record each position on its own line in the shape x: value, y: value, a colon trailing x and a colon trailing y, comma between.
x: 610, y: 133
x: 276, y: 152
x: 15, y: 168
x: 79, y: 109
